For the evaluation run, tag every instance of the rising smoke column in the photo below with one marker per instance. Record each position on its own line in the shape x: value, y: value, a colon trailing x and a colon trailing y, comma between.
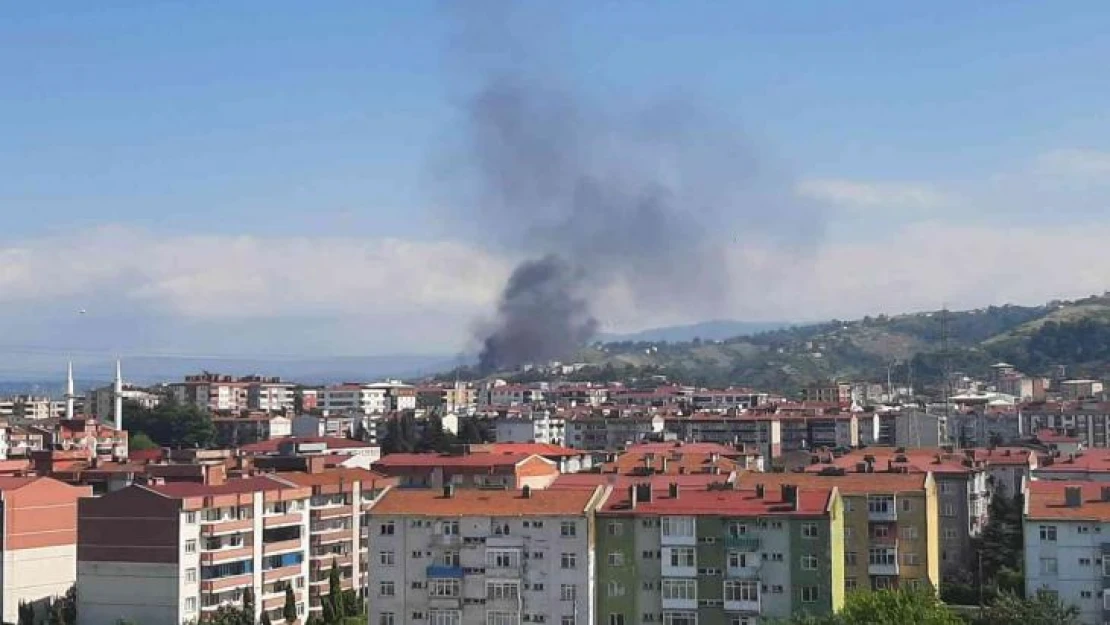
x: 595, y: 197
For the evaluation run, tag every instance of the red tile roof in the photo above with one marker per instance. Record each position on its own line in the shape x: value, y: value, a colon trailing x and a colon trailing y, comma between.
x: 398, y: 461
x: 591, y: 480
x: 486, y: 503
x: 723, y: 502
x: 1046, y: 501
x: 540, y: 449
x: 270, y: 446
x: 181, y: 490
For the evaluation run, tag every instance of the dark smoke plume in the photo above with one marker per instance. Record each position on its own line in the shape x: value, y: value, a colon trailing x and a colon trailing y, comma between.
x: 598, y: 198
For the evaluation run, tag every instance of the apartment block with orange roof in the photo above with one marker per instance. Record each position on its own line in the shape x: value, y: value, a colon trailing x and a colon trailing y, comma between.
x: 455, y: 556
x: 469, y: 470
x: 1066, y: 538
x: 338, y: 525
x: 174, y: 553
x: 38, y: 541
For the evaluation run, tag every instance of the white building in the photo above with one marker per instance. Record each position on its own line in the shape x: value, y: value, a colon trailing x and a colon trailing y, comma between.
x: 473, y: 556
x: 538, y: 427
x: 1067, y: 545
x: 369, y: 399
x: 101, y: 400
x: 336, y: 425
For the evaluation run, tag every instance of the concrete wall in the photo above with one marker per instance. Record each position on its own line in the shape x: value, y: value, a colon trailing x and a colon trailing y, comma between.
x: 35, y: 575
x: 144, y: 593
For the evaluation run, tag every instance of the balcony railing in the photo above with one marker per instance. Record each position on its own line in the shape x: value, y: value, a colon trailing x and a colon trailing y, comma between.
x: 743, y: 543
x: 453, y: 572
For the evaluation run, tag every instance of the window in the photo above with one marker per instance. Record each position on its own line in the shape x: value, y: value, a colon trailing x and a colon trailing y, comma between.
x: 683, y: 556
x: 738, y: 559
x: 190, y: 518
x: 809, y: 594
x: 450, y: 558
x: 1048, y: 566
x: 909, y: 533
x: 949, y: 534
x: 678, y: 526
x: 850, y: 584
x: 569, y: 561
x: 907, y: 505
x: 948, y: 510
x: 386, y: 589
x: 882, y: 556
x: 809, y: 562
x: 946, y: 488
x: 881, y: 504
x: 616, y: 558
x: 497, y: 617
x: 742, y: 590
x: 910, y: 559
x: 190, y: 546
x: 809, y: 530
x: 881, y: 531
x: 450, y: 528
x: 386, y: 618
x: 439, y: 587
x: 190, y: 576
x: 1084, y: 562
x: 387, y: 528
x: 647, y: 555
x: 1048, y: 533
x: 850, y: 558
x: 616, y: 619
x: 502, y: 558
x: 680, y: 589
x: 615, y: 528
x: 568, y: 592
x: 444, y: 617
x: 500, y: 529
x: 847, y: 533
x: 190, y: 605
x: 737, y: 530
x: 848, y: 505
x: 1106, y: 567
x: 568, y: 529
x: 615, y: 589
x: 386, y: 558
x: 503, y: 590
x: 567, y: 620
x: 680, y: 618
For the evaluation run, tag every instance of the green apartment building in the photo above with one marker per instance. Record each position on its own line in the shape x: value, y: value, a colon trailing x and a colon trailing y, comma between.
x: 718, y: 556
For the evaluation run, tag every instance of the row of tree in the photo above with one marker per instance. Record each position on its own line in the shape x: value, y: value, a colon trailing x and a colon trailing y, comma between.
x: 922, y: 607
x: 59, y: 610
x: 405, y: 434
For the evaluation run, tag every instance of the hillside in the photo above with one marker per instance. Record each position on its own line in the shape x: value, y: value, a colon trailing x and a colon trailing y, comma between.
x: 1035, y: 338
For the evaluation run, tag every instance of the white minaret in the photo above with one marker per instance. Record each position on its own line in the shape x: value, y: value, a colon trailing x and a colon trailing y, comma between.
x: 118, y: 397
x: 69, y: 390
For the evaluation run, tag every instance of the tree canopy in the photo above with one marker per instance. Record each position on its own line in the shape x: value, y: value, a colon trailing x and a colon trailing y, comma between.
x: 170, y: 424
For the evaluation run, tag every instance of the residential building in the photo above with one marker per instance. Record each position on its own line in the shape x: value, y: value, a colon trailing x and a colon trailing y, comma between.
x: 1079, y: 389
x: 1089, y: 465
x: 1066, y: 545
x: 38, y: 542
x: 241, y: 429
x: 368, y: 399
x: 187, y: 548
x: 101, y: 401
x: 892, y: 534
x: 335, y: 425
x: 470, y: 470
x: 566, y: 459
x: 832, y: 393
x: 539, y: 426
x: 727, y: 399
x: 28, y: 407
x: 718, y: 555
x: 458, y: 556
x: 269, y: 394
x: 312, y: 445
x: 608, y: 430
x: 1087, y: 421
x: 213, y: 392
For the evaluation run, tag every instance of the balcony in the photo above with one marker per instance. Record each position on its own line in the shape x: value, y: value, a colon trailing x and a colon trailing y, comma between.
x: 332, y: 511
x: 452, y: 572
x: 447, y: 540
x: 882, y: 509
x: 281, y: 546
x: 885, y: 566
x: 281, y: 520
x: 503, y: 541
x: 747, y: 544
x: 680, y: 604
x: 284, y: 572
x: 225, y: 526
x: 331, y: 536
x: 223, y: 583
x: 445, y: 603
x: 325, y: 559
x: 225, y: 555
x: 742, y: 606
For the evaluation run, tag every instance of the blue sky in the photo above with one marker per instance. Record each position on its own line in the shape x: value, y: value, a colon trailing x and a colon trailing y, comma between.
x: 136, y: 135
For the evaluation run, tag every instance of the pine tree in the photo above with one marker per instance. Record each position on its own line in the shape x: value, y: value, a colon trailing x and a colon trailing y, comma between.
x: 290, y: 609
x: 265, y: 620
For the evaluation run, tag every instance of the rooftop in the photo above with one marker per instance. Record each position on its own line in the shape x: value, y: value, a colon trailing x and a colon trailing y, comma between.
x: 472, y: 502
x: 724, y: 502
x: 1047, y: 500
x: 452, y: 460
x: 271, y: 446
x: 182, y: 490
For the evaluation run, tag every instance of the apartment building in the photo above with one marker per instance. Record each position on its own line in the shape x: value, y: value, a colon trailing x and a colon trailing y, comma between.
x: 717, y: 555
x: 1066, y: 537
x: 540, y: 426
x: 891, y: 524
x: 268, y: 394
x: 242, y: 429
x: 211, y: 391
x: 609, y: 430
x: 38, y: 541
x: 101, y: 401
x: 470, y: 470
x: 833, y: 393
x: 1087, y: 465
x: 173, y: 553
x: 367, y: 399
x: 457, y: 556
x: 727, y: 399
x: 1089, y: 421
x: 339, y: 533
x: 963, y: 492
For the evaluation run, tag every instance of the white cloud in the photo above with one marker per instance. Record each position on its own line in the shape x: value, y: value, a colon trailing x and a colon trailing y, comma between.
x: 857, y: 194
x: 1081, y: 163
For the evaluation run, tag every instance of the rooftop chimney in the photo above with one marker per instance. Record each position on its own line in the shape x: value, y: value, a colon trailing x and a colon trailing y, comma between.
x: 759, y: 491
x: 526, y: 492
x: 1073, y: 496
x: 644, y: 492
x: 632, y: 492
x: 790, y: 495
x: 449, y: 491
x: 672, y: 490
x: 1106, y: 493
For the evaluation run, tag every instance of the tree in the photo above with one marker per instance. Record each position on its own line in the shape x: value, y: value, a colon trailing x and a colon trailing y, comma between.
x: 289, y: 612
x: 265, y: 620
x: 140, y: 442
x: 401, y: 435
x: 26, y: 614
x: 171, y: 424
x: 248, y: 606
x: 1044, y: 609
x: 886, y: 607
x: 471, y: 431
